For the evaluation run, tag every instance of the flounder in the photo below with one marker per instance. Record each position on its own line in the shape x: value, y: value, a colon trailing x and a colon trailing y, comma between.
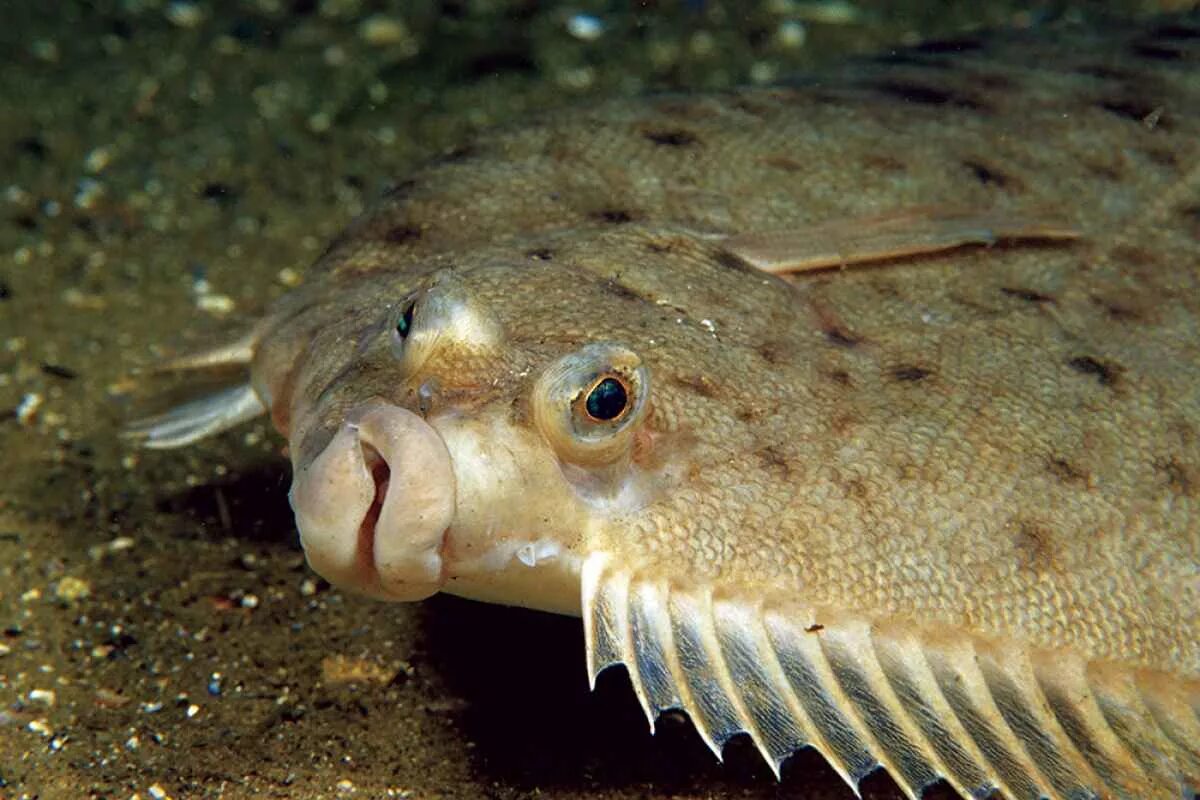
x: 860, y: 414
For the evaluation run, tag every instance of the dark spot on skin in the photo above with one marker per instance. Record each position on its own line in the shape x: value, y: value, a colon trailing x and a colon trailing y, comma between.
x: 730, y: 261
x: 1104, y: 171
x: 816, y: 627
x: 857, y: 489
x: 1028, y: 295
x: 939, y: 46
x: 672, y: 138
x: 540, y: 254
x: 1117, y: 311
x: 785, y: 163
x: 774, y: 461
x: 59, y: 371
x: 1105, y: 373
x: 841, y: 337
x: 1161, y: 156
x: 841, y: 377
x: 843, y: 424
x: 1136, y: 110
x: 402, y: 234
x: 1180, y: 479
x: 622, y: 291
x: 1033, y: 546
x: 990, y: 176
x: 614, y: 216
x: 1065, y: 471
x: 1157, y: 52
x: 1191, y: 218
x: 1134, y: 256
x: 909, y: 373
x: 883, y: 163
x: 774, y: 352
x: 925, y: 95
x: 700, y: 384
x: 751, y: 414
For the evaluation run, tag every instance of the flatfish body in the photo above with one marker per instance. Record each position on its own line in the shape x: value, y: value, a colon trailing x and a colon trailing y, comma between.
x: 861, y: 413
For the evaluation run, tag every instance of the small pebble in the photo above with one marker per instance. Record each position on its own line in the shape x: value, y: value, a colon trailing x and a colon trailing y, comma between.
x: 828, y: 12
x: 185, y: 14
x: 192, y: 710
x: 219, y: 304
x: 345, y: 786
x: 71, y: 589
x: 586, y: 27
x: 382, y: 31
x: 42, y: 697
x: 88, y: 192
x: 288, y: 277
x: 97, y: 159
x: 157, y: 792
x: 791, y: 34
x: 28, y: 407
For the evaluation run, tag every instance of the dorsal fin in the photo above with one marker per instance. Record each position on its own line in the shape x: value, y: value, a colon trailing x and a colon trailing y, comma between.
x: 907, y: 232
x: 983, y: 715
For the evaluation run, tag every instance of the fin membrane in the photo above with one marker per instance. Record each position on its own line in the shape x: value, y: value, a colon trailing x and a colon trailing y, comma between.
x: 983, y: 716
x: 197, y: 419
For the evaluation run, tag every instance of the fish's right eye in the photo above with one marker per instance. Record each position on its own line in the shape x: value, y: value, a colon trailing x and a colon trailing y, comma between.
x: 589, y: 404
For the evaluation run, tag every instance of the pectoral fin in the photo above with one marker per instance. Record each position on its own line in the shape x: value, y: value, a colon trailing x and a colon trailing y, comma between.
x: 982, y: 715
x: 844, y: 242
x: 208, y: 415
x: 196, y: 419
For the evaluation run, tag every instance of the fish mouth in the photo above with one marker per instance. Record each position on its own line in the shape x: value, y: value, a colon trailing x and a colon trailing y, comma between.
x: 374, y: 506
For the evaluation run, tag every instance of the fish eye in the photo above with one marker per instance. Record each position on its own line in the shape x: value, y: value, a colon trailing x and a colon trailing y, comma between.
x: 589, y: 404
x: 607, y: 400
x: 404, y: 323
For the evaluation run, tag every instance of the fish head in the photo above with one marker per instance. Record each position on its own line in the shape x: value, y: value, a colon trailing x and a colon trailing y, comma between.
x: 476, y: 434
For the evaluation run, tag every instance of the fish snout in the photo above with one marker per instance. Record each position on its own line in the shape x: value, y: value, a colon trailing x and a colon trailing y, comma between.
x: 375, y: 504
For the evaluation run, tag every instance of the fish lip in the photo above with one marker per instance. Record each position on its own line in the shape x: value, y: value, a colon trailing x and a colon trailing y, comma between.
x: 375, y: 503
x: 367, y: 564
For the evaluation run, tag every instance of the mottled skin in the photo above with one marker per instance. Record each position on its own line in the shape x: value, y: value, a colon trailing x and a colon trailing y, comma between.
x: 1000, y: 442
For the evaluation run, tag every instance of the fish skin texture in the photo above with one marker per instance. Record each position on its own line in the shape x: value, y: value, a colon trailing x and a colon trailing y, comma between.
x: 942, y: 509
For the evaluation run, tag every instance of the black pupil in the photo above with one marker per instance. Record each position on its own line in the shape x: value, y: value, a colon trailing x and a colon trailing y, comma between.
x: 405, y: 323
x: 607, y: 400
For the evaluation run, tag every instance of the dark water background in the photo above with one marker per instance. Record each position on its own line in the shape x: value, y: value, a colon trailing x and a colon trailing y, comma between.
x: 166, y: 170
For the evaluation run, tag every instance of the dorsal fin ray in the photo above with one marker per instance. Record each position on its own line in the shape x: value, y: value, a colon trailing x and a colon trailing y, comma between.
x: 981, y: 714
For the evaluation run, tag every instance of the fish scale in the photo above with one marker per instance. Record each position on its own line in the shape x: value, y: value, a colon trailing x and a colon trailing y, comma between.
x: 905, y: 461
